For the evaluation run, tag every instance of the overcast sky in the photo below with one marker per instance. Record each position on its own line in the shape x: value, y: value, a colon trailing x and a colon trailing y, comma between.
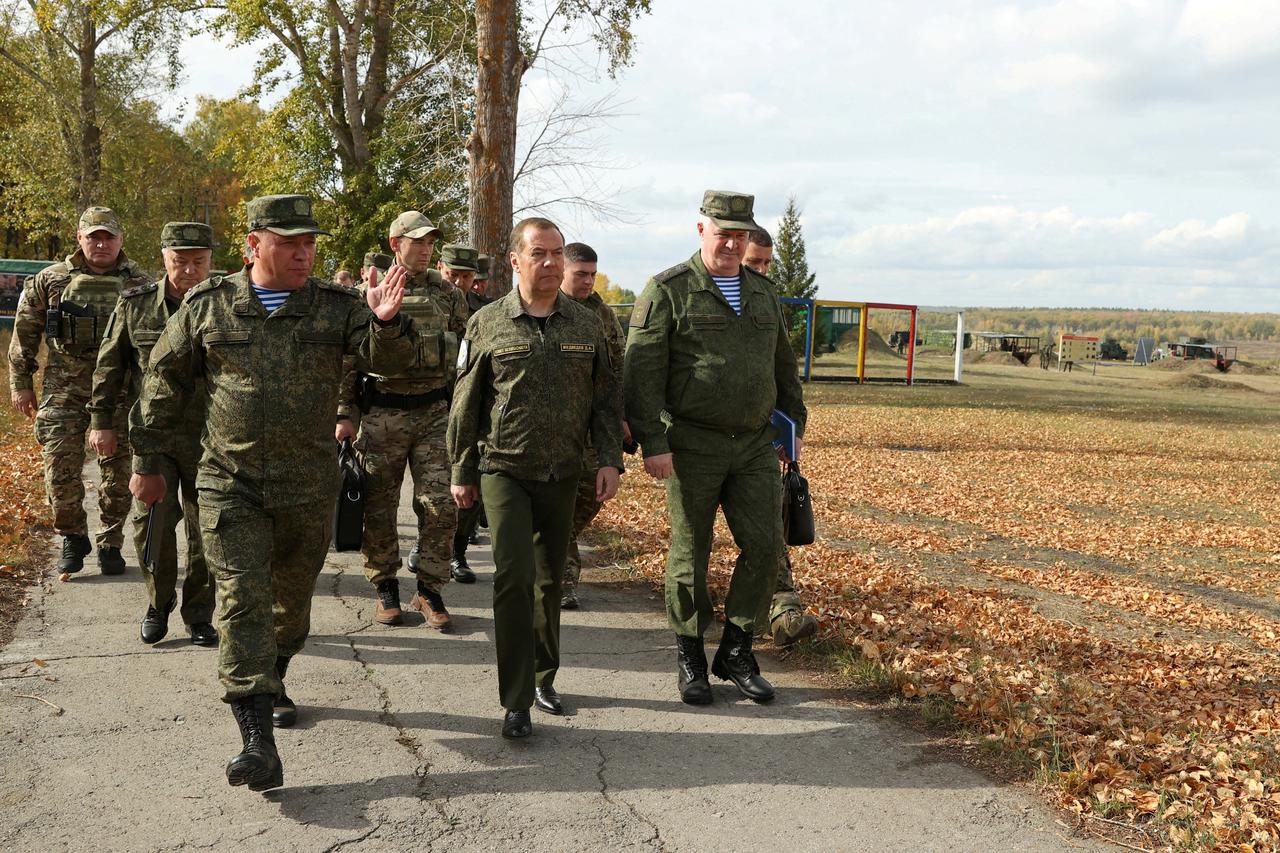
x: 1076, y: 153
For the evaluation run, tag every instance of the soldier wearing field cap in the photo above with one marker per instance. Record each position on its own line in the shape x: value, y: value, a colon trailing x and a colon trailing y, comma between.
x: 458, y: 265
x: 708, y: 360
x: 477, y: 296
x: 137, y: 323
x: 379, y: 260
x: 403, y: 426
x: 69, y: 304
x: 262, y: 350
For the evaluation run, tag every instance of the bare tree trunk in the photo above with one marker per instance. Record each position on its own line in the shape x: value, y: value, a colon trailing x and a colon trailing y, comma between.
x: 492, y: 145
x: 90, y: 133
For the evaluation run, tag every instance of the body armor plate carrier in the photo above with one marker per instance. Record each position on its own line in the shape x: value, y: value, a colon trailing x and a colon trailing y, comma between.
x: 85, y: 307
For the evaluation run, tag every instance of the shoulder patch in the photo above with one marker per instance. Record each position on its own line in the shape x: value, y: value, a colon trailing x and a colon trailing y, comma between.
x: 640, y: 313
x: 210, y: 283
x: 672, y: 272
x: 149, y: 287
x: 339, y: 288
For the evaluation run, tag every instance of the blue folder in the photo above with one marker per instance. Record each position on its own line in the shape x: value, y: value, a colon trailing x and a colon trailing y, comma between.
x: 786, y: 433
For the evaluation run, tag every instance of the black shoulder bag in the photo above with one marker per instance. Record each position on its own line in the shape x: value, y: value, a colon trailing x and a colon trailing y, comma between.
x: 348, y: 520
x: 797, y: 509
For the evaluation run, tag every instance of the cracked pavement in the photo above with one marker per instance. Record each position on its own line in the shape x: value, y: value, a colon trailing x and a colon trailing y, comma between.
x: 397, y: 745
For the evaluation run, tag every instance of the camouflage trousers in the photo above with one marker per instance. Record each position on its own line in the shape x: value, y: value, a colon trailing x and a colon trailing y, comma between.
x: 390, y: 440
x: 738, y: 473
x: 265, y: 563
x: 197, y: 588
x: 585, y: 509
x: 61, y: 424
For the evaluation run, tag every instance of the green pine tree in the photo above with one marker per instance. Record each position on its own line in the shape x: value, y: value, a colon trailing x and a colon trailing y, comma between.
x: 790, y: 270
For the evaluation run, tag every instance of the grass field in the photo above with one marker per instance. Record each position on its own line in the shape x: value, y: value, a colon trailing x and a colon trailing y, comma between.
x: 1077, y: 571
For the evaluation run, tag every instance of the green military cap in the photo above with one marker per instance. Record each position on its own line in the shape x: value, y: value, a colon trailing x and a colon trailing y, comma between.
x: 482, y: 267
x: 100, y: 219
x: 286, y: 215
x: 381, y: 260
x: 186, y: 235
x: 731, y: 211
x: 413, y: 225
x: 459, y: 257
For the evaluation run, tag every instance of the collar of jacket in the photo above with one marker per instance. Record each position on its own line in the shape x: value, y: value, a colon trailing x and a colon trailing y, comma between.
x: 246, y: 301
x: 702, y: 280
x: 515, y: 306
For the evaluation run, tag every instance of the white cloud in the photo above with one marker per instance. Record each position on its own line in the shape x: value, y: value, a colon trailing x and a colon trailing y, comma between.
x: 1232, y: 31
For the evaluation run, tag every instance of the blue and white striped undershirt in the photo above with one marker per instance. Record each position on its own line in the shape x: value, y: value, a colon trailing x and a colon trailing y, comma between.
x: 731, y: 287
x: 271, y: 299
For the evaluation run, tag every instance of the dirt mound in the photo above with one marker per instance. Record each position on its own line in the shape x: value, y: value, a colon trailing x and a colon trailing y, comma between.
x: 1248, y: 368
x: 1007, y: 358
x: 1185, y: 365
x: 1201, y: 380
x: 875, y: 344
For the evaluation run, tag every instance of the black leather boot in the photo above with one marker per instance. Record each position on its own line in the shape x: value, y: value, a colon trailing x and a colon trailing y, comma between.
x: 735, y: 662
x: 75, y: 547
x: 458, y: 565
x: 283, y: 712
x: 258, y: 764
x: 691, y: 664
x: 111, y: 561
x: 155, y: 622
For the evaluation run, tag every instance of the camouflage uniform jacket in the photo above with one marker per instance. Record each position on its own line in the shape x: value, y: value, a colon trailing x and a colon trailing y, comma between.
x: 475, y: 301
x: 691, y: 359
x: 449, y: 302
x: 133, y: 330
x: 526, y: 399
x: 270, y: 384
x: 612, y: 331
x: 29, y: 318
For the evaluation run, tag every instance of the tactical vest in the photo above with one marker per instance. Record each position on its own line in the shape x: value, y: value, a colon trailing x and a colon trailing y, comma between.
x: 437, y: 346
x: 85, y: 305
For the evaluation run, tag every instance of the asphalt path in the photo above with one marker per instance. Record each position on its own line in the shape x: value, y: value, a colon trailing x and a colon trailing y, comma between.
x: 114, y: 745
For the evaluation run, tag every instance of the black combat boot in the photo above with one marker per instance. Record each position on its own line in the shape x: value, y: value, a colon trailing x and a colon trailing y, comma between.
x: 735, y: 662
x: 258, y: 764
x: 110, y: 560
x: 691, y: 664
x: 75, y: 547
x: 458, y: 565
x: 283, y: 712
x: 155, y: 623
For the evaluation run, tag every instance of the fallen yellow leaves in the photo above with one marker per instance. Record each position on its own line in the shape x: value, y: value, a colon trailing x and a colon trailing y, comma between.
x: 1101, y: 599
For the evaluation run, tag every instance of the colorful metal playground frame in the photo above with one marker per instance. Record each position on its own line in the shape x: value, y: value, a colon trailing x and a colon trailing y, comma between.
x: 811, y: 306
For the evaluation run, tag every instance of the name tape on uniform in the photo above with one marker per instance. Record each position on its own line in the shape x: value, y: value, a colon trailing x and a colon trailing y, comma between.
x: 587, y: 348
x: 512, y: 349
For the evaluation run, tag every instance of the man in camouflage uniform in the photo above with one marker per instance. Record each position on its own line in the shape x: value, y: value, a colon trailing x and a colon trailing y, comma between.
x: 136, y: 325
x: 580, y: 264
x: 268, y: 478
x: 534, y: 381
x: 458, y: 265
x: 476, y: 296
x: 403, y: 425
x: 708, y: 360
x: 786, y: 618
x: 70, y: 303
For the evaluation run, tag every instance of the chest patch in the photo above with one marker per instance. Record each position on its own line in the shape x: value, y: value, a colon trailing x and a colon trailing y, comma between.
x: 513, y: 348
x: 582, y: 348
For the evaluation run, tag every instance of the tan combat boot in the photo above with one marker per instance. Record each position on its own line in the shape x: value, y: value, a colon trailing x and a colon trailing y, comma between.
x: 792, y: 626
x: 388, y: 612
x: 431, y: 606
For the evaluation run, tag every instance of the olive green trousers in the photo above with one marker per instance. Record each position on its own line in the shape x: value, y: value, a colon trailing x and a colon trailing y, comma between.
x: 530, y: 523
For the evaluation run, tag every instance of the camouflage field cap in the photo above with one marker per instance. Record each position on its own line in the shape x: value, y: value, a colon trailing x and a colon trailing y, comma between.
x: 459, y: 257
x: 731, y: 211
x: 482, y: 267
x: 286, y: 215
x: 186, y: 235
x: 100, y: 219
x: 381, y: 260
x: 413, y: 225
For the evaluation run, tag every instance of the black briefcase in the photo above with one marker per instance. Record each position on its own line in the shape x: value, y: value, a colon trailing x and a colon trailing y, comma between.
x: 797, y: 508
x: 348, y: 520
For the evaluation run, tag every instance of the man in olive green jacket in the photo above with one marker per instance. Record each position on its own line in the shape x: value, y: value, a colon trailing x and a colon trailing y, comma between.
x: 265, y: 348
x: 534, y: 381
x: 708, y: 360
x: 135, y: 326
